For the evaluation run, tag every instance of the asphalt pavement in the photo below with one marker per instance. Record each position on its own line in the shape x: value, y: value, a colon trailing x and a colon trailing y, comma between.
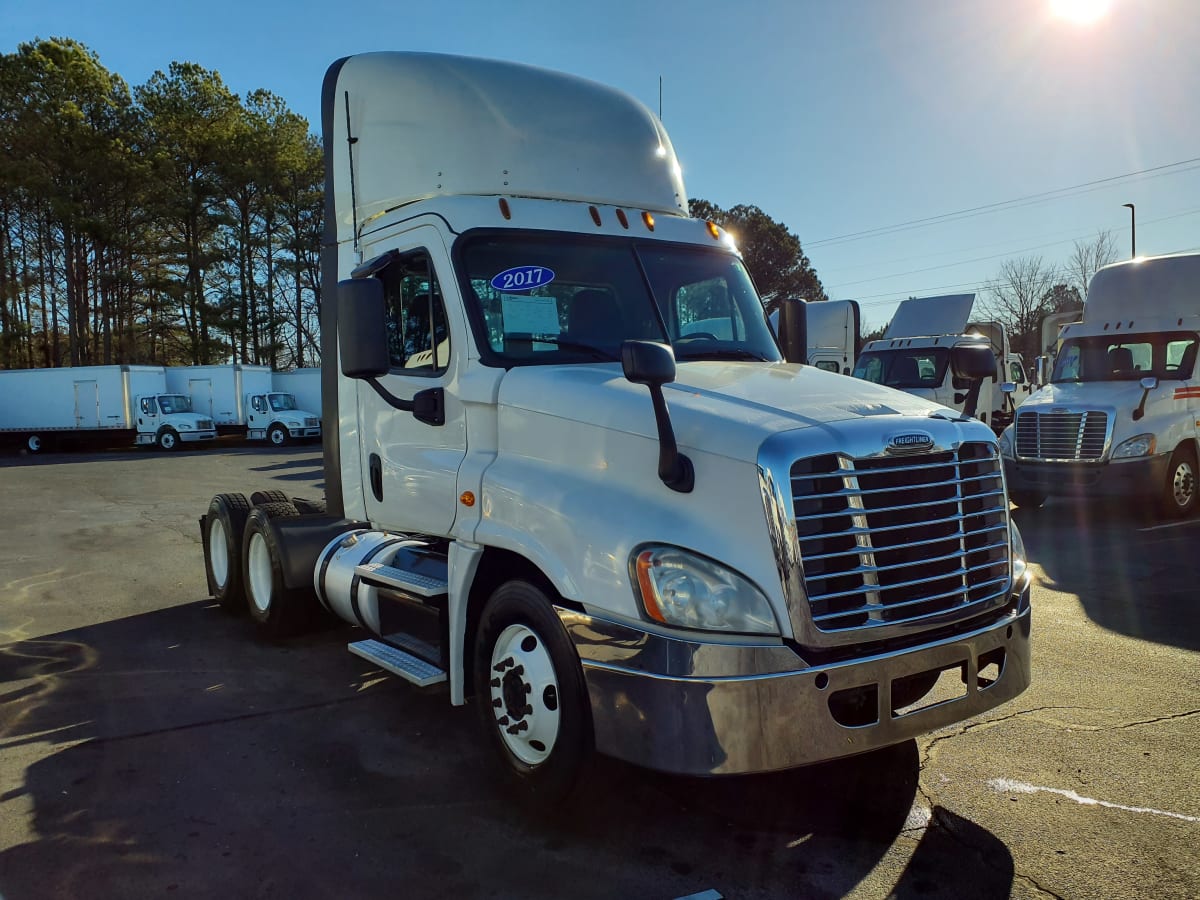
x: 151, y: 746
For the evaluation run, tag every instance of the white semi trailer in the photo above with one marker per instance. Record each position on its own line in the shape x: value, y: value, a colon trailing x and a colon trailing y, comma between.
x: 914, y: 356
x: 610, y: 532
x: 45, y: 408
x: 242, y: 400
x: 1120, y: 416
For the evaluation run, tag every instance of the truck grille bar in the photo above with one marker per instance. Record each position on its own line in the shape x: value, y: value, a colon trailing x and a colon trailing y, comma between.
x: 1061, y: 435
x: 888, y: 541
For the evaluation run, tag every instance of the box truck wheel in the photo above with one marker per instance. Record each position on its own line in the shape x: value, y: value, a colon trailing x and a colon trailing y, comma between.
x: 533, y: 702
x: 224, y: 525
x: 1179, y: 496
x: 168, y: 439
x: 277, y: 610
x: 34, y: 443
x: 1027, y: 499
x: 278, y: 435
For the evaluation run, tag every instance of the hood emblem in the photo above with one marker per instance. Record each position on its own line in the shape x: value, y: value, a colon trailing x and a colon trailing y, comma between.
x: 909, y: 442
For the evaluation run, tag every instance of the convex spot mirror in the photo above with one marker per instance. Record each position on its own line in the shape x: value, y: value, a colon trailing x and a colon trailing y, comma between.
x: 1149, y: 383
x: 972, y: 363
x: 362, y: 334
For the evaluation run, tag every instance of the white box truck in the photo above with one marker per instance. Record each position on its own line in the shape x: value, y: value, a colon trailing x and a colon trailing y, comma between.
x: 612, y: 534
x: 914, y: 356
x: 45, y: 408
x: 303, y: 384
x: 242, y: 400
x: 1121, y: 413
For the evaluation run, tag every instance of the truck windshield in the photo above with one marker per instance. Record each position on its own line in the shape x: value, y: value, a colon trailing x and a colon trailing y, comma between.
x: 907, y: 368
x: 1169, y: 356
x: 557, y: 298
x: 174, y: 403
x: 281, y: 402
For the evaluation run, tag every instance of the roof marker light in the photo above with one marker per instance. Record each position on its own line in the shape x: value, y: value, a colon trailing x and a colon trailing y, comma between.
x: 595, y: 214
x: 649, y: 220
x: 622, y: 218
x: 504, y: 210
x: 714, y: 231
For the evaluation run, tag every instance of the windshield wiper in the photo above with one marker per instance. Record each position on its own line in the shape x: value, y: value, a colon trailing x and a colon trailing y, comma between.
x: 567, y: 344
x: 721, y: 353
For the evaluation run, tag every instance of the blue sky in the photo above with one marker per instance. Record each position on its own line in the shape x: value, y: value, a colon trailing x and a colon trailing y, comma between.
x: 834, y: 117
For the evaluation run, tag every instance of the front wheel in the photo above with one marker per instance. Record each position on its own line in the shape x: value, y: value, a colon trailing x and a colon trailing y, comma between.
x: 34, y: 443
x: 533, y: 702
x: 278, y: 435
x: 168, y: 439
x: 1179, y: 495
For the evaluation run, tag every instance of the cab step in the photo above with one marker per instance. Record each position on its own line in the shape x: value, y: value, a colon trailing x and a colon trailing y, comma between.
x: 398, y: 662
x: 401, y: 579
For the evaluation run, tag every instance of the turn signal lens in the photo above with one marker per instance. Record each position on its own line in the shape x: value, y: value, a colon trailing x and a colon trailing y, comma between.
x: 467, y: 498
x: 649, y: 220
x: 714, y: 231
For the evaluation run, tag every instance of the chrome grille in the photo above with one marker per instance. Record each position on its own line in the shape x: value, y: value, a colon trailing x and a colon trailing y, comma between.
x: 311, y: 422
x: 895, y: 540
x: 204, y: 424
x: 1061, y: 435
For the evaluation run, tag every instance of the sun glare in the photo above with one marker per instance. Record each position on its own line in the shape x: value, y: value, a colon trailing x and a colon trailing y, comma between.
x: 1081, y: 12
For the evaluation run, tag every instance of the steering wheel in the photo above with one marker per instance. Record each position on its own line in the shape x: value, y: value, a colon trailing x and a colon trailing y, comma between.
x: 697, y: 335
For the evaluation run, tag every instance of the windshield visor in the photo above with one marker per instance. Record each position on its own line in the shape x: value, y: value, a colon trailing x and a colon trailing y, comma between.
x: 1168, y: 356
x: 905, y: 369
x: 548, y: 298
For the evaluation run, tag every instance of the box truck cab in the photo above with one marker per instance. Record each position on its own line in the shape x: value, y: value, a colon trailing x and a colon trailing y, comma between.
x: 914, y: 356
x: 275, y: 417
x: 167, y: 420
x: 610, y: 530
x: 242, y: 400
x: 1121, y: 413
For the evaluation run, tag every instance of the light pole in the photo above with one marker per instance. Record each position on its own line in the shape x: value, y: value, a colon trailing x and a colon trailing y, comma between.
x: 1133, y: 231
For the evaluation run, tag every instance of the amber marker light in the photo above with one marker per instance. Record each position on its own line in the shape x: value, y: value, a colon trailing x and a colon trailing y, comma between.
x: 649, y: 220
x: 504, y: 210
x: 595, y: 214
x: 647, y: 586
x: 714, y: 231
x: 621, y: 217
x: 467, y: 498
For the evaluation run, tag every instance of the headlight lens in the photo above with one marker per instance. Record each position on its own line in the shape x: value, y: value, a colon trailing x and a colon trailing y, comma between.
x: 1020, y: 563
x: 1006, y: 447
x: 183, y: 426
x: 690, y: 591
x: 1142, y: 445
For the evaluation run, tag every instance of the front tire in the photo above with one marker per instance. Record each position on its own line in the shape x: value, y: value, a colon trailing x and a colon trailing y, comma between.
x: 168, y: 439
x: 34, y: 443
x: 277, y: 610
x: 1180, y: 493
x: 533, y: 702
x: 225, y: 525
x: 277, y: 435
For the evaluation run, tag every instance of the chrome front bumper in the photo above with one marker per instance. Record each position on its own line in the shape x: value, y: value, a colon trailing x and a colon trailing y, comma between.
x: 721, y: 709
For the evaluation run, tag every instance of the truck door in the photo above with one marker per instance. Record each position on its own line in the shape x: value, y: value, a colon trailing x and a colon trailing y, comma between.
x: 409, y: 466
x: 201, y: 392
x: 257, y: 415
x: 87, y: 404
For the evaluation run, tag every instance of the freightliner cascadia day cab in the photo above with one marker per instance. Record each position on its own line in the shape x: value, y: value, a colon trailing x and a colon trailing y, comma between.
x: 914, y: 356
x: 242, y: 399
x: 609, y: 531
x: 45, y: 408
x: 1121, y: 414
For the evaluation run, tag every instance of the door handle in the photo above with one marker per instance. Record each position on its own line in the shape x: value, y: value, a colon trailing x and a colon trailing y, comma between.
x: 376, y: 473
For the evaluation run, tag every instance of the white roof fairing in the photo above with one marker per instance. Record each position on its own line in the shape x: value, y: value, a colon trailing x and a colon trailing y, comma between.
x: 929, y: 316
x: 428, y: 125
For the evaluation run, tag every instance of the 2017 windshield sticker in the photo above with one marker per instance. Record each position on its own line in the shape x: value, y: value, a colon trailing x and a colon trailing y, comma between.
x: 522, y: 278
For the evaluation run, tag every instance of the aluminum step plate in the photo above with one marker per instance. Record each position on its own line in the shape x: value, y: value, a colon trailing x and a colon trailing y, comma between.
x: 421, y: 585
x: 407, y: 666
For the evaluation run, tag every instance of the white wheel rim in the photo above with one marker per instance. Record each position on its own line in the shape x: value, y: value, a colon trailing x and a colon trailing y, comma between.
x: 168, y: 440
x: 218, y: 552
x: 34, y: 443
x: 526, y: 701
x: 276, y: 436
x: 258, y: 567
x: 1184, y: 484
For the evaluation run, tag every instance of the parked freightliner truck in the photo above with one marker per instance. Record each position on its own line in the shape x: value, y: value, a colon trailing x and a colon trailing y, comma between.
x: 242, y: 400
x: 1121, y: 414
x: 914, y: 355
x: 303, y: 384
x: 610, y: 532
x: 45, y: 408
x: 831, y: 330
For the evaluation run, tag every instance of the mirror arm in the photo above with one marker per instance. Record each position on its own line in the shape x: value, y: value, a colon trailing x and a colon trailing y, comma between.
x: 674, y: 468
x: 972, y: 398
x: 1141, y: 407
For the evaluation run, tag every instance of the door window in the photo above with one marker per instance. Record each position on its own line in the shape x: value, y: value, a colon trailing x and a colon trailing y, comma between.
x: 418, y: 337
x: 1017, y: 373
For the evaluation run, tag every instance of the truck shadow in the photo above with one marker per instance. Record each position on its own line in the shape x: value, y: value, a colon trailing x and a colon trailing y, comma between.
x: 173, y: 751
x: 1133, y: 573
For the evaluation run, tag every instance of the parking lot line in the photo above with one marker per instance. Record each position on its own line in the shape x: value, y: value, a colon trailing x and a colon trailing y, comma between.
x: 1007, y: 785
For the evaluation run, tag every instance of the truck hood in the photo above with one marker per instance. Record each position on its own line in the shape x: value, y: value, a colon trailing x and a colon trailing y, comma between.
x: 725, y: 408
x: 1095, y: 394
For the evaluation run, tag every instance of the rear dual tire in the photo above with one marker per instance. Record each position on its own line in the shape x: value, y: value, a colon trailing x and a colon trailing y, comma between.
x: 277, y: 610
x: 225, y: 525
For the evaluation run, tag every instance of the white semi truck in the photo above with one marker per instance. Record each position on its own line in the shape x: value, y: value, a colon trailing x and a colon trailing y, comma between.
x: 914, y: 356
x: 242, y: 399
x: 609, y: 532
x: 46, y: 408
x: 1121, y: 413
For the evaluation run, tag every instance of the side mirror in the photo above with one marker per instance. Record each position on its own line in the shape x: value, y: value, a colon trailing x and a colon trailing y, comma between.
x: 653, y: 364
x: 792, y: 330
x: 1149, y: 383
x: 973, y: 363
x: 1042, y: 366
x: 1008, y: 387
x: 362, y: 337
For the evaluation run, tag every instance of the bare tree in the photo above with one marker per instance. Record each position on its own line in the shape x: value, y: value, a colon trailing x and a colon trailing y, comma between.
x: 1086, y: 258
x: 1017, y: 298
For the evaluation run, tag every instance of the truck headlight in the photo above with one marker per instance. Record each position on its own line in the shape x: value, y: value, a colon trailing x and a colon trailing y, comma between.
x: 183, y: 426
x: 1020, y: 563
x: 690, y: 591
x: 1141, y: 445
x: 1006, y: 445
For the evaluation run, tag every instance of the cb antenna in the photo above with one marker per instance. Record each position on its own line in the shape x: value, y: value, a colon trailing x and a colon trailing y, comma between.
x: 351, y: 140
